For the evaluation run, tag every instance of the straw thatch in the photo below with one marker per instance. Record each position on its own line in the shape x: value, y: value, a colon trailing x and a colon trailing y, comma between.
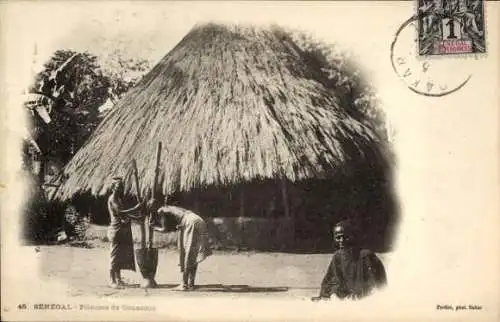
x: 229, y: 104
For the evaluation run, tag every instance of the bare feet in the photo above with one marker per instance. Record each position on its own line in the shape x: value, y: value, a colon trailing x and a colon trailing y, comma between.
x: 318, y: 298
x: 181, y: 287
x: 115, y: 285
x: 149, y: 283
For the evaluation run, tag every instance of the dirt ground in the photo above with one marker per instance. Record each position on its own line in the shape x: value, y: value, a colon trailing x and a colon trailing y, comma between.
x: 247, y: 274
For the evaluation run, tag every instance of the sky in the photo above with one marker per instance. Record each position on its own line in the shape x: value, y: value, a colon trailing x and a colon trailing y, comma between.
x: 150, y: 29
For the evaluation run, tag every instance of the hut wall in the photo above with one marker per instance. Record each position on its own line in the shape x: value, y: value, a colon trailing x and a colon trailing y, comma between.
x: 314, y: 206
x: 236, y: 233
x: 248, y: 216
x: 365, y: 195
x: 258, y: 199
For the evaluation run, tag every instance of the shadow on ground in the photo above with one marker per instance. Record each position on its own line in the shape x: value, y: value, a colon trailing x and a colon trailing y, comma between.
x: 221, y: 288
x: 238, y: 288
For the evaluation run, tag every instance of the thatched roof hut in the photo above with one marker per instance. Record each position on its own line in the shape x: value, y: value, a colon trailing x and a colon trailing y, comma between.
x: 230, y: 105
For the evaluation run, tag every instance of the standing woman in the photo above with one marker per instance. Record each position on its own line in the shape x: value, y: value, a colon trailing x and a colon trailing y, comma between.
x: 120, y: 234
x: 192, y: 239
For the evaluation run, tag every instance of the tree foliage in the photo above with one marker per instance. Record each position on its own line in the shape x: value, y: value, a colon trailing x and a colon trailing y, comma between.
x: 79, y: 86
x: 72, y: 86
x: 342, y: 73
x: 123, y: 72
x: 78, y: 90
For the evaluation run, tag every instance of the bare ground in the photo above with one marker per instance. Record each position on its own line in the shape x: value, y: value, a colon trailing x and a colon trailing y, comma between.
x: 227, y: 274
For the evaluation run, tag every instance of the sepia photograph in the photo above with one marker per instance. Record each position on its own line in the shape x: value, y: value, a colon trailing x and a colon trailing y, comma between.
x: 252, y: 161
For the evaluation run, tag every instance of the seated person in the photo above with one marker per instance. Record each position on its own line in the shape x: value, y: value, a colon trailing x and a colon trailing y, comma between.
x: 353, y: 272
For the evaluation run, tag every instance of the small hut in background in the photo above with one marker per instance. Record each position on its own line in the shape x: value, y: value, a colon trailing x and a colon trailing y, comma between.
x: 252, y: 140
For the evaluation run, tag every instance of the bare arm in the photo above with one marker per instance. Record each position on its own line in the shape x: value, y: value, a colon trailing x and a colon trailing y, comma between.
x: 165, y: 216
x: 127, y: 212
x: 131, y: 211
x: 162, y: 228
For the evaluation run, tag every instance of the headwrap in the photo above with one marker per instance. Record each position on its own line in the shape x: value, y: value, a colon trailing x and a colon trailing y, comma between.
x: 348, y: 227
x: 115, y: 181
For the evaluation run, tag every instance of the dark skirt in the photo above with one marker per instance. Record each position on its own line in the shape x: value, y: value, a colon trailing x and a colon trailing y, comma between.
x: 122, y: 248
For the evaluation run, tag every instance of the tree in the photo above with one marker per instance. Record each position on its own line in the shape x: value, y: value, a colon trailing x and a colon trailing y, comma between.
x: 77, y: 85
x: 342, y: 74
x: 123, y: 72
x: 64, y: 100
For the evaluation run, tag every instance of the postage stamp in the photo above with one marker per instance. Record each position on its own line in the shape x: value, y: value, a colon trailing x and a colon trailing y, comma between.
x: 423, y: 74
x: 447, y: 27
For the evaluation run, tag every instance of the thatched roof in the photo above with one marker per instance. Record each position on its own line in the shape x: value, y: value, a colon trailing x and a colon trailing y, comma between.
x: 229, y: 104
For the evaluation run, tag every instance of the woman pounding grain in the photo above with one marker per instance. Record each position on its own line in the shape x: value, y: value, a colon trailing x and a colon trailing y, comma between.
x: 192, y: 238
x: 120, y: 234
